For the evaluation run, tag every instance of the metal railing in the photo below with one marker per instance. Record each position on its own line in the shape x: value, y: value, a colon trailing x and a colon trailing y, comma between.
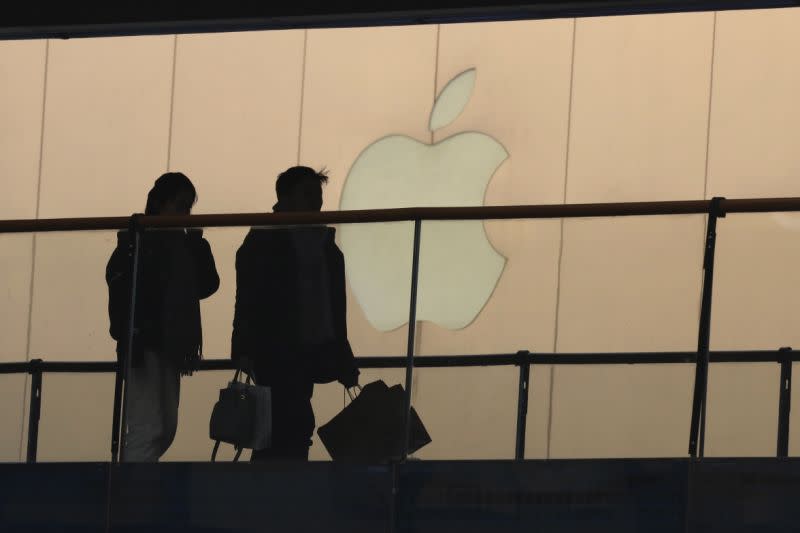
x: 714, y: 209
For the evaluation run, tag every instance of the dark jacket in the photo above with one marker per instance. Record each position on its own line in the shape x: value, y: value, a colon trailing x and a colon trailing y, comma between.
x: 271, y: 327
x: 176, y: 271
x: 268, y: 324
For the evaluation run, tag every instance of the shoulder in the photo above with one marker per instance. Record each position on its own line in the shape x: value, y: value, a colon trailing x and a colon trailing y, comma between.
x: 259, y: 242
x: 334, y: 251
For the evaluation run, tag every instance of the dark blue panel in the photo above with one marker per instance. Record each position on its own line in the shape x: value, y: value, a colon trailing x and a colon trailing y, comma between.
x: 610, y: 495
x: 58, y: 497
x: 745, y: 495
x: 249, y: 497
x: 616, y: 496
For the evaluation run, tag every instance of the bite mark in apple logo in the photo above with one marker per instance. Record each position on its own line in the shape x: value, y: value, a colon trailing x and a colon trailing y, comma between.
x: 458, y: 269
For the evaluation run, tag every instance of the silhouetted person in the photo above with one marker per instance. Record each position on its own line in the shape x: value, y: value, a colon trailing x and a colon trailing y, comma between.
x: 176, y: 271
x: 290, y: 327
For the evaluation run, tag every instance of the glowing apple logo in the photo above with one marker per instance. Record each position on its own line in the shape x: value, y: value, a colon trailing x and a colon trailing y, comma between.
x: 459, y: 269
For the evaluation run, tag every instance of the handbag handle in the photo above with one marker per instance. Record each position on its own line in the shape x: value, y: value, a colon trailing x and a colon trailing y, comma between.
x: 237, y: 375
x: 216, y: 449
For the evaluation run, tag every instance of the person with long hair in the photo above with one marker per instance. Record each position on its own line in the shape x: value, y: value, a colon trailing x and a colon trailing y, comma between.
x: 176, y: 271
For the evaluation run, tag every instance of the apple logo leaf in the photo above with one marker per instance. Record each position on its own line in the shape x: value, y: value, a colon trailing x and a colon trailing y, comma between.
x: 452, y: 100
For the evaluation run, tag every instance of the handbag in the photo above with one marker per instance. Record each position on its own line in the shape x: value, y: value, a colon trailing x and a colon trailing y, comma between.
x: 371, y: 428
x: 242, y: 416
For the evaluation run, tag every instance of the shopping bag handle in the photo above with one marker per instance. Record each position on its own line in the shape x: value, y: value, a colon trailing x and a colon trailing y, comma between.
x: 349, y: 393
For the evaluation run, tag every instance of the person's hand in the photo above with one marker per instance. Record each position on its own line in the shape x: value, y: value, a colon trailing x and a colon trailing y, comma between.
x: 350, y: 379
x: 245, y: 364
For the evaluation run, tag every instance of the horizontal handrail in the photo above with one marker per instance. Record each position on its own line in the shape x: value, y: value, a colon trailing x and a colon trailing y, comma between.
x: 679, y: 207
x: 444, y: 361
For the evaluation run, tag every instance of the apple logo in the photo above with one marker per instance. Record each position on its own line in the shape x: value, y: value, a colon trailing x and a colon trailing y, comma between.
x: 458, y: 267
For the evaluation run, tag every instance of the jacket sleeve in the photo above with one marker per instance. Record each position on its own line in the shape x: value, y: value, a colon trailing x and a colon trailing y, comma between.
x: 119, y: 286
x: 245, y: 335
x: 348, y: 369
x: 205, y: 267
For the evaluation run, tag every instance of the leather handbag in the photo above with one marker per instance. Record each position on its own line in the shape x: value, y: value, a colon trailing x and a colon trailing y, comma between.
x: 242, y: 417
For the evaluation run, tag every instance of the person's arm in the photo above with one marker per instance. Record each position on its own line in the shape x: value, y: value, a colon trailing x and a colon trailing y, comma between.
x: 119, y: 286
x: 348, y: 369
x: 205, y: 267
x: 247, y: 291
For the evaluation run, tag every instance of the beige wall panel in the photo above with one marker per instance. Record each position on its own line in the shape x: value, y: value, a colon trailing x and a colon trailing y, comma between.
x: 537, y: 438
x: 755, y: 287
x: 362, y: 85
x: 753, y: 153
x: 21, y: 93
x: 21, y: 96
x: 235, y: 127
x: 631, y: 284
x: 621, y: 411
x: 237, y: 115
x: 106, y: 124
x: 638, y: 132
x: 628, y: 284
x: 105, y: 141
x: 75, y: 424
x: 755, y: 110
x: 470, y: 413
x: 15, y: 285
x: 70, y: 299
x: 755, y: 283
x: 640, y: 108
x: 742, y: 410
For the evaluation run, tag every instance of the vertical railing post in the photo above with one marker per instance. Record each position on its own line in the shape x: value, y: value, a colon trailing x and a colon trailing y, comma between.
x: 118, y: 437
x: 785, y: 402
x: 35, y: 409
x: 412, y: 320
x: 698, y: 423
x: 117, y: 414
x: 524, y: 362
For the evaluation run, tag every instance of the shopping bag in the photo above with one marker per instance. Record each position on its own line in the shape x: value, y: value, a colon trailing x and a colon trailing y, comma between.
x: 372, y: 427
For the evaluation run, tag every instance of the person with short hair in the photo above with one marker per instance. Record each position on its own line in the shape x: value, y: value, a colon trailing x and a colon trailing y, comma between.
x: 290, y: 322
